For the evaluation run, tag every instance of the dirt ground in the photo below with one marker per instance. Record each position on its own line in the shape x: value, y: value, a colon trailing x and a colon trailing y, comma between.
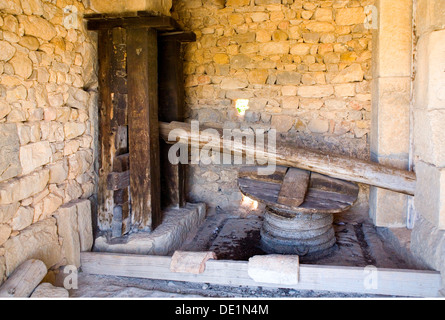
x: 237, y: 237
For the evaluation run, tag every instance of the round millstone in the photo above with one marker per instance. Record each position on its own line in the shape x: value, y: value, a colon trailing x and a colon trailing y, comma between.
x: 296, y: 233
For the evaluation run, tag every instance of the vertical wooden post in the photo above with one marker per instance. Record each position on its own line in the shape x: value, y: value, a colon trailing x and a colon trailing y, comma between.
x: 171, y: 108
x: 120, y: 121
x: 106, y: 134
x: 145, y: 186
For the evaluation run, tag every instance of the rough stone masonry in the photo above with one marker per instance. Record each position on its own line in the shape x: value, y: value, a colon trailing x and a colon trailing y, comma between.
x: 305, y: 67
x: 48, y: 110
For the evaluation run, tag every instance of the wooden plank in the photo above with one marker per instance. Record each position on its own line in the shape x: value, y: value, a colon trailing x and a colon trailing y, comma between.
x: 335, y: 166
x: 179, y: 36
x: 24, y: 279
x: 370, y: 280
x: 145, y: 183
x: 118, y: 180
x: 294, y: 187
x: 107, y: 133
x: 128, y: 22
x: 252, y: 173
x: 171, y: 108
x: 315, y: 201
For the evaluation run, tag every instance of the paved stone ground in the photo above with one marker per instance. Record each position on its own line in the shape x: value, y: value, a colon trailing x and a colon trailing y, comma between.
x: 358, y: 242
x: 237, y: 238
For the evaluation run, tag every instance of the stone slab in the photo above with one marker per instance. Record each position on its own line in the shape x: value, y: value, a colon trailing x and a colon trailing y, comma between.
x: 392, y: 41
x: 277, y: 269
x: 38, y: 241
x: 67, y: 227
x: 430, y: 193
x: 190, y: 262
x: 9, y: 155
x: 164, y: 240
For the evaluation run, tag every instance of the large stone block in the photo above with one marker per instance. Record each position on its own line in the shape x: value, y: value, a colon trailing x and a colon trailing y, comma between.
x: 38, y: 241
x: 7, y: 51
x: 387, y: 208
x: 5, y: 232
x: 282, y: 123
x: 288, y: 78
x: 390, y: 133
x: 24, y: 187
x: 33, y: 7
x: 38, y: 27
x: 22, y: 65
x: 430, y: 15
x: 58, y: 172
x: 8, y: 211
x: 428, y: 244
x: 350, y: 16
x: 9, y: 155
x: 390, y: 145
x: 34, y: 155
x: 23, y: 218
x: 73, y: 129
x: 353, y: 73
x: 429, y: 199
x: 429, y: 140
x: 319, y: 91
x: 85, y: 224
x: 67, y: 228
x: 429, y: 90
x: 392, y: 41
x: 274, y: 48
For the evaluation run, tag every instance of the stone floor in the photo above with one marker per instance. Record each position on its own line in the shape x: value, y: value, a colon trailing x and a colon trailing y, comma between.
x: 359, y: 243
x: 236, y: 237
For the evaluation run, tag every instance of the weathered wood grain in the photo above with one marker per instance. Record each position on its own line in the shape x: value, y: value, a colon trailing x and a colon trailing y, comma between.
x: 294, y: 187
x: 142, y: 52
x: 107, y: 133
x: 336, y: 166
x: 171, y: 108
x: 24, y: 279
x: 379, y: 281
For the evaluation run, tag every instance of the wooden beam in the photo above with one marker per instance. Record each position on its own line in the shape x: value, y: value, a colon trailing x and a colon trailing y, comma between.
x: 286, y: 154
x: 405, y: 283
x: 107, y: 128
x: 119, y: 87
x: 24, y: 279
x: 142, y: 52
x: 128, y: 22
x: 179, y: 36
x: 171, y: 108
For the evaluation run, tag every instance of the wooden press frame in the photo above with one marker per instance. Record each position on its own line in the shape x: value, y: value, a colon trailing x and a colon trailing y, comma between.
x: 136, y: 179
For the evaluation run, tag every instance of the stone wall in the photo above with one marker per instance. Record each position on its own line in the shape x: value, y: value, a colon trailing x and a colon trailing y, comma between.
x: 48, y: 111
x: 305, y: 67
x: 428, y: 239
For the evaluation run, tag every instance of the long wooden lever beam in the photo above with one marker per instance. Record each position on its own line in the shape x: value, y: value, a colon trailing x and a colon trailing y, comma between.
x: 335, y: 166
